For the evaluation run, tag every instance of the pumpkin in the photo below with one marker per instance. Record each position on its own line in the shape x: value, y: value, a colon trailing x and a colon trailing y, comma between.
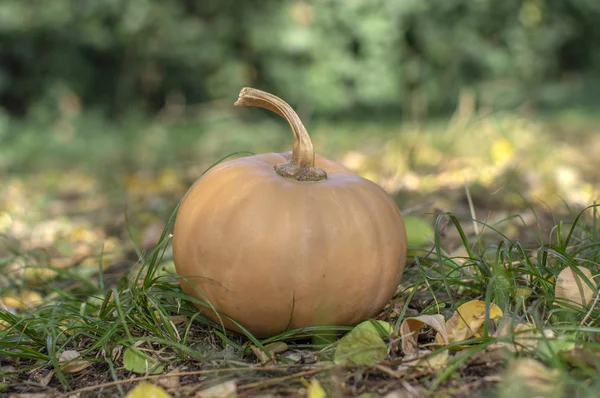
x: 280, y: 241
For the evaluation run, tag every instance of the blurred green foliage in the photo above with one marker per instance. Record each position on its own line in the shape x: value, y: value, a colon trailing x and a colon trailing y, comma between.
x: 329, y: 56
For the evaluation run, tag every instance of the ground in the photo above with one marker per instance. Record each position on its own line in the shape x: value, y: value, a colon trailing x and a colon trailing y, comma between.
x: 498, y: 205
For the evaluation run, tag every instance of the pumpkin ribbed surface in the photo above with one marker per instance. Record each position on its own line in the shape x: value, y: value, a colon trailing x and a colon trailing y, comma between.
x: 275, y: 253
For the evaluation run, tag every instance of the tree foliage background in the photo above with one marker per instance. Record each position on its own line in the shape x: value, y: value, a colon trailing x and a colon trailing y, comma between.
x: 330, y: 56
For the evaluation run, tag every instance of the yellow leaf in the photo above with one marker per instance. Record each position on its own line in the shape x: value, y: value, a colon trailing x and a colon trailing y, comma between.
x: 501, y: 151
x: 409, y: 331
x: 35, y: 275
x: 24, y: 299
x: 467, y: 321
x: 147, y: 390
x: 315, y: 390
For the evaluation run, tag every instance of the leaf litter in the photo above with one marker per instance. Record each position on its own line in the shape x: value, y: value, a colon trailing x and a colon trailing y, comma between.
x: 69, y: 236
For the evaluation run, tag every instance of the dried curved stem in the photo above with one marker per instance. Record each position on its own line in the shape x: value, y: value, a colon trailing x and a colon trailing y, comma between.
x: 302, y: 165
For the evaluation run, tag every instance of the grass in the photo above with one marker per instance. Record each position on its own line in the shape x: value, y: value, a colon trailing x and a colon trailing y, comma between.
x: 124, y: 296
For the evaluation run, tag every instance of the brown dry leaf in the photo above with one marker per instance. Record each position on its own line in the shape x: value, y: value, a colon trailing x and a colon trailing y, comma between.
x: 409, y: 331
x: 274, y: 348
x: 178, y: 319
x: 44, y: 381
x: 227, y: 389
x: 67, y: 363
x: 260, y: 354
x: 116, y: 352
x: 467, y: 321
x: 571, y: 290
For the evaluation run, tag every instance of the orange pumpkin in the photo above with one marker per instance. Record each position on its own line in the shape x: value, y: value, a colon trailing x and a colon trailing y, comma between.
x: 281, y: 241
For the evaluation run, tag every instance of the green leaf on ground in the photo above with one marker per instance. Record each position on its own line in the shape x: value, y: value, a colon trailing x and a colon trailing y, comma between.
x: 136, y: 361
x: 419, y: 232
x: 362, y: 345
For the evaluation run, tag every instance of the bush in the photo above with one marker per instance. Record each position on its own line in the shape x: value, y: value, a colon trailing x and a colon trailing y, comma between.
x: 331, y: 55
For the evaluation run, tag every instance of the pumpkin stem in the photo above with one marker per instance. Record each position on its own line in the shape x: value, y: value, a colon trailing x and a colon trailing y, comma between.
x: 302, y: 165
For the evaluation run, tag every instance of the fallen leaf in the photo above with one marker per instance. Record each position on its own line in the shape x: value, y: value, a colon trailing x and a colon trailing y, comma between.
x: 362, y: 345
x: 277, y: 347
x: 37, y: 275
x: 490, y: 355
x: 419, y: 232
x: 315, y: 390
x: 4, y: 325
x: 571, y: 290
x: 170, y: 380
x: 582, y: 357
x: 260, y: 355
x: 20, y: 301
x: 179, y: 319
x: 530, y: 378
x: 147, y: 390
x: 524, y: 335
x: 116, y: 352
x: 45, y: 380
x: 302, y: 356
x: 549, y: 348
x: 393, y: 394
x: 425, y: 361
x: 137, y: 361
x: 224, y: 390
x: 67, y: 363
x: 409, y: 331
x: 468, y: 320
x: 501, y: 151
